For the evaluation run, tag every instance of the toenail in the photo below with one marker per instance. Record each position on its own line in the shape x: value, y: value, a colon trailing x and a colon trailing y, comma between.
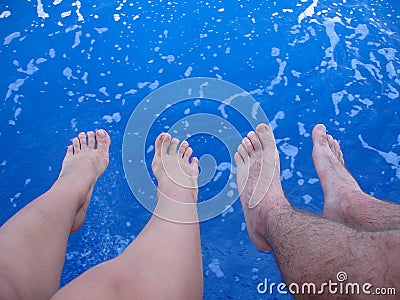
x: 101, y: 133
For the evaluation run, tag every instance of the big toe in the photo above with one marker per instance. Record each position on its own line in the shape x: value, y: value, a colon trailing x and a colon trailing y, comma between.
x: 319, y: 136
x: 103, y: 140
x: 266, y: 136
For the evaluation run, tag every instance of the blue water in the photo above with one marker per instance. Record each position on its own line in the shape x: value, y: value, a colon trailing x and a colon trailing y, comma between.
x: 69, y: 67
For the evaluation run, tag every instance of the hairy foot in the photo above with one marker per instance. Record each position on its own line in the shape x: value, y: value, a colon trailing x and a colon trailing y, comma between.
x: 85, y: 161
x: 337, y: 183
x: 258, y: 176
x: 177, y: 178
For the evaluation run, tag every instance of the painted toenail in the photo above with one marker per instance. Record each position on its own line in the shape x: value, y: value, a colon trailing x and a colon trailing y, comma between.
x: 101, y: 133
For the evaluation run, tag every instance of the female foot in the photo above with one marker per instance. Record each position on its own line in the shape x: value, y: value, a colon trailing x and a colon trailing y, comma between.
x: 177, y: 180
x: 258, y: 176
x: 85, y: 161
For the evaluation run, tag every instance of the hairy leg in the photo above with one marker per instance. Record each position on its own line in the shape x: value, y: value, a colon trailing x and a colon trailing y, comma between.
x: 33, y: 242
x: 165, y: 260
x: 345, y: 202
x: 308, y: 248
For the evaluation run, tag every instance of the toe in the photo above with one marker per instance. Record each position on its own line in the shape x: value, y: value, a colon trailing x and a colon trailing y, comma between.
x: 331, y: 143
x: 188, y: 154
x: 158, y: 144
x: 265, y: 135
x: 103, y: 140
x: 183, y: 147
x: 255, y: 141
x: 91, y: 139
x: 76, y: 145
x: 195, y: 163
x: 173, y: 146
x: 238, y: 159
x: 319, y: 136
x: 248, y: 146
x: 82, y: 140
x: 166, y: 141
x: 70, y: 151
x: 243, y: 153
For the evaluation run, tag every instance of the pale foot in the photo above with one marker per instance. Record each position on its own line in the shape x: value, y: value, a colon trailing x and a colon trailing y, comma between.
x: 337, y: 183
x: 85, y: 161
x: 175, y: 173
x: 258, y: 176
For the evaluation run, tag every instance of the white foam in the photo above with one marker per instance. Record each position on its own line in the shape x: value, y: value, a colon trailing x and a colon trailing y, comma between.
x: 275, y: 51
x: 17, y: 113
x: 309, y: 12
x: 14, y: 87
x: 8, y: 39
x: 154, y: 85
x: 78, y: 35
x: 169, y: 58
x: 280, y: 115
x: 103, y: 90
x: 40, y: 11
x: 66, y: 14
x: 333, y: 38
x: 390, y: 157
x: 52, y: 53
x: 5, y: 14
x: 116, y: 117
x: 336, y: 99
x: 214, y: 266
x: 302, y: 130
x: 290, y: 151
x: 307, y: 199
x: 101, y: 30
x: 78, y: 12
x: 188, y: 71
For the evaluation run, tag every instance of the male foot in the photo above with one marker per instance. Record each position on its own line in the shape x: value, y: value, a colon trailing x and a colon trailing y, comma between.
x: 337, y: 183
x: 85, y: 161
x: 176, y: 175
x: 258, y: 176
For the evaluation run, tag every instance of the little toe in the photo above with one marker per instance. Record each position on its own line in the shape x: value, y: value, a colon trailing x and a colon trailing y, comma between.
x: 174, y: 146
x: 243, y: 153
x: 82, y: 140
x: 195, y: 163
x: 238, y: 159
x: 70, y: 151
x: 265, y: 135
x: 255, y: 141
x: 76, y: 145
x: 103, y: 140
x: 158, y: 144
x: 91, y: 139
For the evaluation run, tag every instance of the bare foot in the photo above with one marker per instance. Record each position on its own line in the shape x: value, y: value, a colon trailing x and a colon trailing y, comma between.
x: 176, y: 175
x: 337, y: 183
x: 258, y: 176
x: 85, y: 161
